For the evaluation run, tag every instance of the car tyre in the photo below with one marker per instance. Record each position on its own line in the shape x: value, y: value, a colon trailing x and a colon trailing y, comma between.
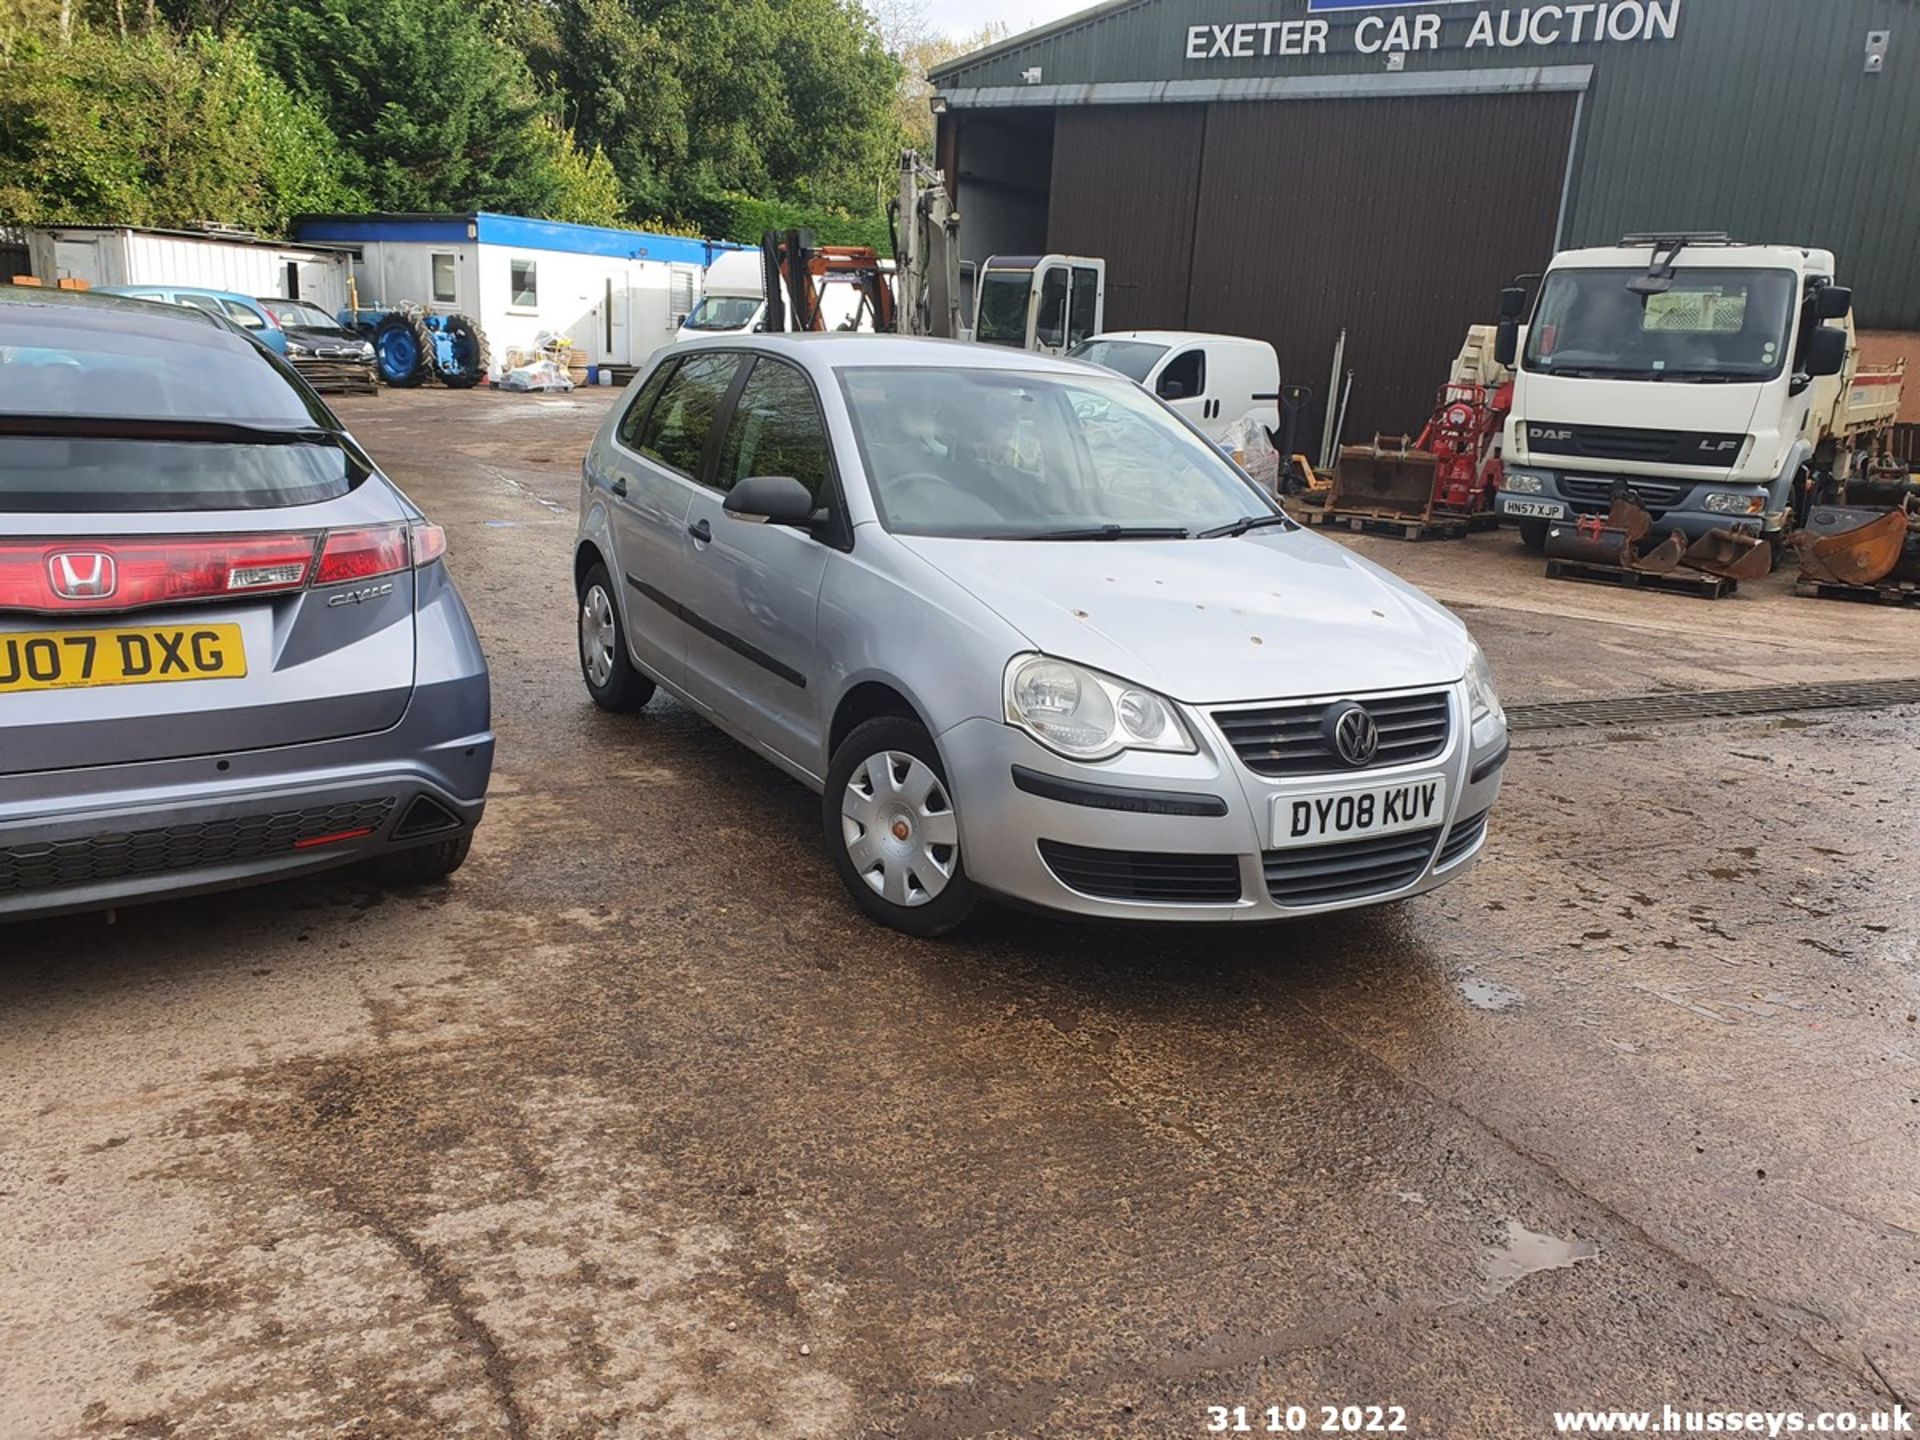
x: 424, y: 864
x: 611, y: 679
x: 1533, y: 535
x: 892, y: 831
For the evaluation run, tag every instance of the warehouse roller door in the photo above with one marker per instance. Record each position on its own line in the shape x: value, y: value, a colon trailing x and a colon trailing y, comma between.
x: 1399, y: 219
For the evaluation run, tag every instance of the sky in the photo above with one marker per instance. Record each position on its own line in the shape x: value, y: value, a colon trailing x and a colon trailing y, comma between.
x: 965, y: 17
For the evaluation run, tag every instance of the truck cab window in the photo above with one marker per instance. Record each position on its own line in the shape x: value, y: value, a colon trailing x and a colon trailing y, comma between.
x: 1049, y: 326
x: 1083, y: 313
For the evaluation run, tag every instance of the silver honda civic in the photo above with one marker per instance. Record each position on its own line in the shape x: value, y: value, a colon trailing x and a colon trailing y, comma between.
x: 1029, y: 633
x: 229, y: 650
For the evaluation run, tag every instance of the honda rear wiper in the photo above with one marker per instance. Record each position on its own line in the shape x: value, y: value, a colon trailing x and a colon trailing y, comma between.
x: 1242, y: 525
x: 112, y: 427
x: 1113, y: 532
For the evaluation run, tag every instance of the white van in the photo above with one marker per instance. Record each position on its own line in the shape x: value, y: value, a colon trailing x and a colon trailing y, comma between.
x: 1213, y: 380
x: 734, y: 302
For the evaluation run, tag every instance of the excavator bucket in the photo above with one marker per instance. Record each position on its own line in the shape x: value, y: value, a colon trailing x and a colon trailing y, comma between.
x: 1664, y: 558
x: 1590, y: 541
x: 1625, y: 514
x: 1842, y: 546
x: 1730, y: 553
x: 1386, y: 478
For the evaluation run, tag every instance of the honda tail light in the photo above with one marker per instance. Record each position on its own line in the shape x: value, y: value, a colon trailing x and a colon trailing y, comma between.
x: 51, y: 576
x: 56, y: 575
x: 363, y: 554
x: 429, y: 543
x: 379, y: 550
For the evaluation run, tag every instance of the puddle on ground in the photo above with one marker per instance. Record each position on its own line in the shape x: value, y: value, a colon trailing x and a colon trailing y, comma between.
x: 1527, y: 1252
x: 1489, y: 995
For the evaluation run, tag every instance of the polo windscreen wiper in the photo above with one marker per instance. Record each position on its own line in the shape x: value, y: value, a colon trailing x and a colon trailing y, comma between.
x: 1113, y: 532
x: 1242, y: 526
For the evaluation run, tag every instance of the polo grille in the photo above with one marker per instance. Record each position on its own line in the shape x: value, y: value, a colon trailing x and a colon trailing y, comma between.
x: 1464, y: 835
x: 132, y: 854
x: 1291, y: 739
x: 1139, y: 875
x: 1349, y: 869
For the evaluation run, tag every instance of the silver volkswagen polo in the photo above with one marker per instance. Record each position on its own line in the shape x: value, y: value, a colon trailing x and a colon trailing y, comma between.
x: 1029, y: 634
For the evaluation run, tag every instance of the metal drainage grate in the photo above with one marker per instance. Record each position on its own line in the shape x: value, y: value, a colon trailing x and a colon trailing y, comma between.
x: 1714, y: 704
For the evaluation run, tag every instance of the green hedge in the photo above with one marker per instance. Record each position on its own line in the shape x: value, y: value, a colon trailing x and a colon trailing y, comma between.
x: 744, y: 219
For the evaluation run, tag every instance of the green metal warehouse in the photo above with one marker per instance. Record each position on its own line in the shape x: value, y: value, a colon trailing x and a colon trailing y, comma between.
x: 1290, y: 168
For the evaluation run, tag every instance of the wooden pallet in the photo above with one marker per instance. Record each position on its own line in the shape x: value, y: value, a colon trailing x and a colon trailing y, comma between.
x: 1373, y: 522
x: 1898, y: 592
x: 1697, y: 583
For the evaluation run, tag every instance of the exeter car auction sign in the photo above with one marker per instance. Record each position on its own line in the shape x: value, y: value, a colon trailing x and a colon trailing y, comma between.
x: 1421, y: 25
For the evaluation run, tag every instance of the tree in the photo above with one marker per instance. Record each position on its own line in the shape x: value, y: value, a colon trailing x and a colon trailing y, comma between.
x: 436, y: 112
x: 149, y: 130
x: 920, y: 53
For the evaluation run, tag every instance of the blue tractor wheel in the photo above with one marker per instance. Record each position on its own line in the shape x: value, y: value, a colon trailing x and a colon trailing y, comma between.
x: 466, y: 345
x: 403, y: 360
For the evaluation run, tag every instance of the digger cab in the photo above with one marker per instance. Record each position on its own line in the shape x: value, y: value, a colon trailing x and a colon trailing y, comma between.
x: 1047, y: 303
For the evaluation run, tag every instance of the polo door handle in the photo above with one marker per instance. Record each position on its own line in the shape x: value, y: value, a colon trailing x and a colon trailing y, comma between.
x: 619, y: 486
x: 701, y: 531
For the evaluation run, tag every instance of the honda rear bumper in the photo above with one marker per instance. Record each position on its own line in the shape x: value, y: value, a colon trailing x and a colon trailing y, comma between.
x: 101, y: 836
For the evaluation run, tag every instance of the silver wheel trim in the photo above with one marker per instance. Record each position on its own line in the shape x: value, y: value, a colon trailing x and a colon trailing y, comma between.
x: 597, y: 635
x: 897, y: 822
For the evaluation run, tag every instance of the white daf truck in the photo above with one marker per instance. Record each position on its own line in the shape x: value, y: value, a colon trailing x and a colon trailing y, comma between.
x: 1716, y: 379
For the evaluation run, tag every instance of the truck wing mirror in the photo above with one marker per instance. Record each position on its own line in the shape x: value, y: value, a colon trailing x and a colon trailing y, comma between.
x: 1171, y: 389
x: 1826, y: 353
x: 1506, y: 341
x: 1513, y: 302
x: 1832, y: 302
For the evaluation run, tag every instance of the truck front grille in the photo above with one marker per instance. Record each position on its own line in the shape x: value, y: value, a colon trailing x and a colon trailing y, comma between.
x: 1596, y: 491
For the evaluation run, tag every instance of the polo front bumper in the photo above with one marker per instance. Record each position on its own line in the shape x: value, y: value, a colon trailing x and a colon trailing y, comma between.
x: 1191, y: 838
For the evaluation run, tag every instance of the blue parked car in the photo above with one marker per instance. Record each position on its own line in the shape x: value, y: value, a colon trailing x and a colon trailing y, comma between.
x: 329, y: 356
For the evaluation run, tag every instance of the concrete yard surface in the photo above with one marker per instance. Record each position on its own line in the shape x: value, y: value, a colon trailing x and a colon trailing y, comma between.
x: 635, y: 1128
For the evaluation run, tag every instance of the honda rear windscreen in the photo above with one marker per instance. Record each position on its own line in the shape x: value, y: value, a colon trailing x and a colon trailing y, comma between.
x: 143, y: 417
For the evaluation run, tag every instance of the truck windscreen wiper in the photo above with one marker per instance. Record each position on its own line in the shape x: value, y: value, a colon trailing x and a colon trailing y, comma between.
x: 1112, y: 532
x: 1241, y: 526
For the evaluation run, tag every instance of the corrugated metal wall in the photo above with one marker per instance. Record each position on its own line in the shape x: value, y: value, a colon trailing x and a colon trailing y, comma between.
x: 1762, y: 121
x: 1758, y: 119
x: 1257, y: 219
x: 1126, y: 186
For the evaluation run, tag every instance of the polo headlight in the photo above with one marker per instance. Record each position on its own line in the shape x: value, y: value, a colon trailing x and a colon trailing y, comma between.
x: 1518, y: 482
x: 1727, y: 502
x: 294, y: 347
x: 1086, y: 715
x: 1482, y: 699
